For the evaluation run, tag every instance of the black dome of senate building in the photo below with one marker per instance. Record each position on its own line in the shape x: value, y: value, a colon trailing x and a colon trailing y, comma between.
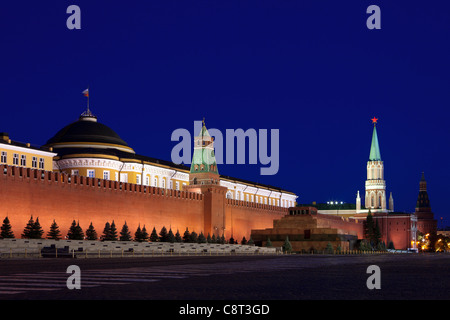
x: 86, y: 132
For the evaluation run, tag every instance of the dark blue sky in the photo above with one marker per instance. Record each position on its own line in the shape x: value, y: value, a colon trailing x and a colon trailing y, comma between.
x: 311, y: 69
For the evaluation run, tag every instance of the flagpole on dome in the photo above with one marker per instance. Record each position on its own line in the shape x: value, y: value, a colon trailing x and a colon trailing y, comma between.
x: 87, y: 115
x: 86, y: 94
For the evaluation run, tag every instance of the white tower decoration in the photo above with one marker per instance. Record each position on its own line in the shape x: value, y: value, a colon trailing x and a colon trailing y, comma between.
x: 375, y: 184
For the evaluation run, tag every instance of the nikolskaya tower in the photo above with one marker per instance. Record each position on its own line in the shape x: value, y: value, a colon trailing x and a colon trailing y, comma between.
x: 375, y: 196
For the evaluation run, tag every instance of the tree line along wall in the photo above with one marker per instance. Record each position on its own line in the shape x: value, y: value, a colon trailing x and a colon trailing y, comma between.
x: 53, y: 196
x: 49, y: 196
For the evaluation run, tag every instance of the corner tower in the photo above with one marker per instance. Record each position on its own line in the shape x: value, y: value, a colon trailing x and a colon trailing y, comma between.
x: 375, y: 198
x: 425, y: 217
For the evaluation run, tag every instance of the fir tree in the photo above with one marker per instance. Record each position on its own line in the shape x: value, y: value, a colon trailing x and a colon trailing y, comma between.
x: 144, y: 234
x: 193, y: 237
x: 329, y: 248
x: 75, y: 232
x: 178, y: 237
x: 364, y: 245
x: 287, y: 247
x: 91, y: 234
x: 201, y: 238
x: 170, y: 236
x: 113, y: 232
x: 231, y: 241
x: 213, y: 238
x: 208, y: 238
x: 186, y: 236
x: 222, y: 239
x: 369, y: 227
x: 54, y: 232
x: 37, y: 230
x: 125, y: 234
x: 28, y: 230
x: 376, y: 235
x: 163, y: 234
x: 391, y: 245
x: 154, y: 235
x: 80, y: 233
x: 71, y: 232
x: 250, y: 241
x: 138, y: 234
x: 106, y: 232
x: 268, y: 243
x: 6, y: 231
x: 244, y: 241
x: 381, y: 246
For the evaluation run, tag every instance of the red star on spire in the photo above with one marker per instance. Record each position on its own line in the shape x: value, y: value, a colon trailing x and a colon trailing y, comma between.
x: 374, y: 120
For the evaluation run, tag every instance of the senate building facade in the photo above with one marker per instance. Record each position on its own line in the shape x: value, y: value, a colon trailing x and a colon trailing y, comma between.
x: 89, y: 148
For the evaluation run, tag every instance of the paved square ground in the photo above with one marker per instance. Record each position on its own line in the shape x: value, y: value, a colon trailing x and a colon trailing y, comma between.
x: 294, y: 277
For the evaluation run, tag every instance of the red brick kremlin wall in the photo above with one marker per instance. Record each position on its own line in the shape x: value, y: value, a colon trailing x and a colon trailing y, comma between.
x: 242, y: 217
x: 64, y: 198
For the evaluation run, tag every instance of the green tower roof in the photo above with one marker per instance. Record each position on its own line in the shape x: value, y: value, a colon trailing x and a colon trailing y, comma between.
x: 375, y: 154
x: 204, y: 159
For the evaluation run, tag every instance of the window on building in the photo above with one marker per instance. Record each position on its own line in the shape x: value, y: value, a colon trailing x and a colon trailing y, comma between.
x: 75, y: 172
x: 163, y: 183
x: 177, y: 185
x: 41, y: 163
x: 171, y: 184
x: 4, y: 156
x: 138, y: 179
x: 91, y: 173
x: 124, y: 177
x: 147, y: 180
x: 106, y: 175
x: 23, y: 160
x: 116, y: 176
x: 15, y: 159
x: 34, y: 162
x: 155, y: 182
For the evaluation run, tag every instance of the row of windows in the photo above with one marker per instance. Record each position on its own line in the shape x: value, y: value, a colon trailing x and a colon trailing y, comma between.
x: 124, y: 178
x: 23, y: 160
x: 261, y: 199
x: 148, y: 181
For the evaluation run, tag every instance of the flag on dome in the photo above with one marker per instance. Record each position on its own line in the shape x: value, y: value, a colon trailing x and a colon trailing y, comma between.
x: 86, y: 93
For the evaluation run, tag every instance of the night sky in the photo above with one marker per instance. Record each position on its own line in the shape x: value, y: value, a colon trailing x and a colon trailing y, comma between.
x: 311, y: 69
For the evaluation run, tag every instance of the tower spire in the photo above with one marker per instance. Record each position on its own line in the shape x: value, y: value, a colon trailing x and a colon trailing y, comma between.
x: 375, y: 184
x: 204, y: 165
x: 375, y: 154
